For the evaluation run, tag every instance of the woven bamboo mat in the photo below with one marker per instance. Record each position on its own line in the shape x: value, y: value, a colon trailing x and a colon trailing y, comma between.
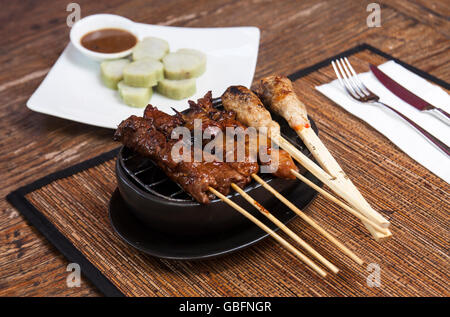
x: 71, y: 209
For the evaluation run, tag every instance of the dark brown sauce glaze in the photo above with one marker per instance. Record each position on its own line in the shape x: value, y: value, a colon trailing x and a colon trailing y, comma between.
x: 108, y: 40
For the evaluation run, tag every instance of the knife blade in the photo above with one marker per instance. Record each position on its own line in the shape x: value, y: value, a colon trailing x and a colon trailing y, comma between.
x: 407, y: 95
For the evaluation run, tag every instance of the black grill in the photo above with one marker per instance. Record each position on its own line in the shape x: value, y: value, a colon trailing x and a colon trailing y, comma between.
x: 150, y: 177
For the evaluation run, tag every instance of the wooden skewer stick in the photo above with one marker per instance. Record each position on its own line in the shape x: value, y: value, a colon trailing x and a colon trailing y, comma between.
x: 288, y: 231
x: 337, y: 186
x: 338, y: 202
x: 309, y: 220
x: 283, y: 242
x: 328, y: 162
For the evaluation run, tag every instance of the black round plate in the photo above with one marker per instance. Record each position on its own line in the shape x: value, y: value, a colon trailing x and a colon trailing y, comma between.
x: 168, y: 246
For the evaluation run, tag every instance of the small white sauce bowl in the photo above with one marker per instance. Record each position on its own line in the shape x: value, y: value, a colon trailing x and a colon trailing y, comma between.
x: 98, y: 22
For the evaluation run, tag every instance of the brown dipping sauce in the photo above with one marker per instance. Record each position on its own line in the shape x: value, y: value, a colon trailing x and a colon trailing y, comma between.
x: 108, y: 40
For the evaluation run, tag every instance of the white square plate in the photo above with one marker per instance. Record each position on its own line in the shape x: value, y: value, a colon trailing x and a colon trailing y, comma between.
x: 73, y: 89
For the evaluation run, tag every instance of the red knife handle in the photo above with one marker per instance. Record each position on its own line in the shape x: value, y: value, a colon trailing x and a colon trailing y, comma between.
x: 443, y: 112
x: 426, y: 134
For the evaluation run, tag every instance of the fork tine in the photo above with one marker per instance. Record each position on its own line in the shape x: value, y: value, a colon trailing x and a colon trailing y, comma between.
x: 355, y: 75
x: 346, y: 78
x: 337, y: 74
x: 343, y: 79
x: 357, y: 87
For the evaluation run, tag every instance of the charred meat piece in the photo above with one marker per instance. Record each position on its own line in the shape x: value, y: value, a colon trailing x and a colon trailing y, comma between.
x: 208, y: 126
x: 249, y: 109
x: 278, y: 94
x: 166, y: 123
x: 242, y: 101
x: 195, y: 178
x: 285, y: 165
x: 203, y: 109
x: 140, y: 135
x: 161, y: 120
x: 282, y: 167
x: 228, y: 119
x: 245, y: 167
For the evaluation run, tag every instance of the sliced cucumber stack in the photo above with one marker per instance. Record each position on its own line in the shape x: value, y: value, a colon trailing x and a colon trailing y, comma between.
x: 134, y: 96
x: 177, y: 89
x: 112, y: 71
x: 172, y: 74
x: 184, y: 64
x: 143, y: 73
x: 150, y: 47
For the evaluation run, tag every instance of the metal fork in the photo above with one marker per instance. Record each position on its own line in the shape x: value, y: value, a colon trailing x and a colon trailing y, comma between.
x: 357, y: 90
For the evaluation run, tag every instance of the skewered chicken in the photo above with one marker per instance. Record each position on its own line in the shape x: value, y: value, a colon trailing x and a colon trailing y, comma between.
x: 249, y: 109
x: 227, y: 119
x: 278, y: 94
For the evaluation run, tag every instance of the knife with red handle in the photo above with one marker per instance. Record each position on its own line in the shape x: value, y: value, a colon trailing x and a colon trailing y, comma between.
x: 408, y: 96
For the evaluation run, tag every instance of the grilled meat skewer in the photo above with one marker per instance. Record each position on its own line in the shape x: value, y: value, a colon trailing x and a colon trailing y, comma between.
x: 151, y: 137
x: 228, y: 119
x: 249, y: 109
x: 278, y: 94
x: 245, y: 168
x: 195, y: 178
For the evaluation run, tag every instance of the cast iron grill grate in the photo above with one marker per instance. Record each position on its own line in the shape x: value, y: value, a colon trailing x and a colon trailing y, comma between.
x: 150, y: 177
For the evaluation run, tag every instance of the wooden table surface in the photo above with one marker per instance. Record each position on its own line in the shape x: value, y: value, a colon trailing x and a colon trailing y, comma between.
x: 294, y: 34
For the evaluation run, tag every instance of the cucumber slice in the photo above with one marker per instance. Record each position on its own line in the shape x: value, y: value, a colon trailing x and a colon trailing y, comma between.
x: 184, y: 64
x: 192, y: 52
x: 177, y: 89
x: 112, y: 72
x: 134, y: 96
x: 143, y: 73
x: 150, y: 47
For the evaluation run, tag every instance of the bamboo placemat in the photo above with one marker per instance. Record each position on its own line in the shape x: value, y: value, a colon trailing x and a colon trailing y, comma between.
x: 71, y: 209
